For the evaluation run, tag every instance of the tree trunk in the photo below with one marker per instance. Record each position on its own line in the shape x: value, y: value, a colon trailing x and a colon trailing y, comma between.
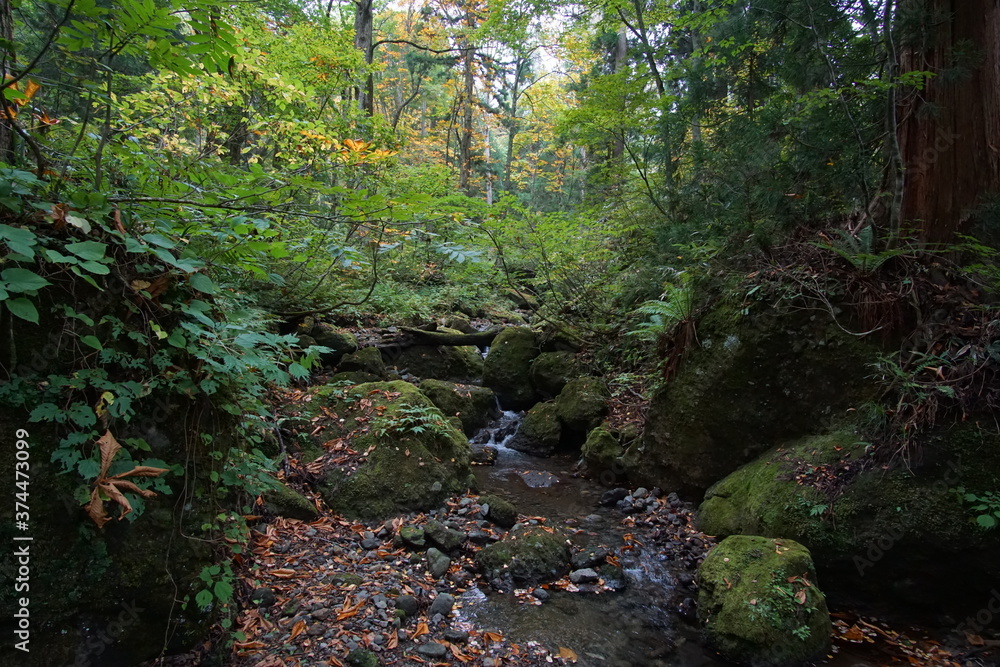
x: 363, y: 41
x: 465, y: 144
x: 7, y: 60
x: 949, y: 133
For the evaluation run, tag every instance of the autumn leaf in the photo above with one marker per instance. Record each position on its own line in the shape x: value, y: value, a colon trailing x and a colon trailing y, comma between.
x: 492, y: 636
x: 422, y: 629
x: 567, y: 654
x: 800, y: 597
x: 114, y: 488
x: 283, y: 573
x: 297, y: 630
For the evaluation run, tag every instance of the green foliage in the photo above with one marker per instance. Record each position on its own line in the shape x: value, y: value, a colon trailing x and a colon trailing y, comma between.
x: 676, y: 305
x: 413, y: 419
x: 985, y: 505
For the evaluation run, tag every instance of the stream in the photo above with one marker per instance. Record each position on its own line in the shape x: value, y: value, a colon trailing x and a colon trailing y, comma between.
x: 633, y: 626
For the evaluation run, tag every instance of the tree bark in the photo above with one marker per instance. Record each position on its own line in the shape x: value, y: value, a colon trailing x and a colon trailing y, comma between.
x: 465, y: 143
x: 949, y: 134
x: 7, y: 60
x: 364, y: 43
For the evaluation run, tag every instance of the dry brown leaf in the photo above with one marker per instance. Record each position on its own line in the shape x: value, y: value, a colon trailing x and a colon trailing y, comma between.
x: 393, y: 640
x: 422, y: 629
x: 493, y: 636
x: 568, y: 654
x: 800, y: 597
x: 283, y: 573
x: 297, y: 630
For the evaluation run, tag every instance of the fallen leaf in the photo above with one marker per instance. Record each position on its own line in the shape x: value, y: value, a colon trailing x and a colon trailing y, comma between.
x: 567, y: 654
x: 422, y: 629
x: 297, y: 630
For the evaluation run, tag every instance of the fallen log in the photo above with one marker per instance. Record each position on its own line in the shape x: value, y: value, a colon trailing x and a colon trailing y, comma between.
x: 415, y: 336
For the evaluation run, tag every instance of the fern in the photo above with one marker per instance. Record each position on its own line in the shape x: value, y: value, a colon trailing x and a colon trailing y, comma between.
x: 674, y: 306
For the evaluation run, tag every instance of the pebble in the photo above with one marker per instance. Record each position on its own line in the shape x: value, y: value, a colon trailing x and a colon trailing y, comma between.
x: 456, y: 636
x: 584, y: 576
x: 443, y: 604
x: 408, y: 604
x: 433, y: 650
x: 264, y: 597
x: 437, y: 563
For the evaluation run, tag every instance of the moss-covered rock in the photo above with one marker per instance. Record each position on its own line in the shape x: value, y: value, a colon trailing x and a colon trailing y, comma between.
x: 540, y: 431
x: 366, y: 360
x: 284, y: 501
x: 442, y: 362
x: 502, y: 512
x: 887, y: 532
x: 759, y: 602
x: 601, y: 453
x: 550, y: 371
x: 529, y: 554
x: 341, y: 343
x: 521, y: 298
x: 507, y: 370
x: 474, y: 405
x: 405, y: 470
x: 353, y: 377
x: 751, y: 384
x: 582, y: 404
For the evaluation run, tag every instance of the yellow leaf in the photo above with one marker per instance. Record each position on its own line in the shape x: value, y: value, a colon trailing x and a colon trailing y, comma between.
x: 422, y: 629
x: 297, y: 630
x: 567, y: 654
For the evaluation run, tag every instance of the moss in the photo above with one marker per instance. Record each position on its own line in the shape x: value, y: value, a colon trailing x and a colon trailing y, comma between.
x: 444, y: 362
x: 583, y: 403
x: 532, y: 554
x: 341, y: 343
x: 540, y: 431
x: 508, y: 367
x: 283, y: 501
x: 750, y: 384
x: 366, y: 360
x: 502, y: 512
x: 601, y: 451
x: 473, y: 405
x: 550, y: 371
x: 353, y: 377
x: 403, y: 471
x: 759, y: 602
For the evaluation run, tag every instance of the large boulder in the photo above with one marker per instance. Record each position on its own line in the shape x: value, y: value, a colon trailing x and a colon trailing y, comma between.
x: 540, y: 431
x: 475, y: 406
x: 366, y: 360
x: 884, y: 533
x: 414, y: 457
x: 550, y: 371
x: 601, y: 453
x: 759, y: 603
x: 753, y: 382
x: 529, y: 554
x: 441, y: 362
x: 281, y: 500
x: 341, y: 343
x: 582, y: 404
x: 507, y: 370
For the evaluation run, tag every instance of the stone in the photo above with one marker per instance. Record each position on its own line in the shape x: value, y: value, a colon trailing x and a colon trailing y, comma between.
x: 413, y: 536
x: 550, y: 371
x: 612, y: 497
x: 366, y: 360
x: 442, y: 604
x: 540, y: 431
x: 601, y: 453
x: 507, y: 369
x: 501, y: 512
x: 360, y: 657
x: 433, y: 650
x: 437, y: 563
x: 760, y: 604
x: 408, y: 605
x: 263, y: 597
x: 582, y: 404
x: 447, y: 539
x: 584, y: 576
x: 341, y: 343
x: 589, y: 557
x: 484, y: 455
x: 528, y: 554
x: 281, y: 500
x: 456, y: 636
x: 441, y: 362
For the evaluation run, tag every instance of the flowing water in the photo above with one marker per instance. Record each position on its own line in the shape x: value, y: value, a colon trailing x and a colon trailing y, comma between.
x: 634, y: 626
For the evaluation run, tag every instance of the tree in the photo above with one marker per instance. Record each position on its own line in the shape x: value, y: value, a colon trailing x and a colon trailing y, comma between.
x: 949, y: 136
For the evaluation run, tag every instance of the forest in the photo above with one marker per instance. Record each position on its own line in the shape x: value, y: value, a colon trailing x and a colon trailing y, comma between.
x: 500, y: 332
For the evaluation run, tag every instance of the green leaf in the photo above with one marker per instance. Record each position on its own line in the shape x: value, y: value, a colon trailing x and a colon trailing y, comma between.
x: 23, y: 280
x: 91, y: 250
x: 986, y: 521
x: 23, y: 309
x: 92, y: 341
x: 203, y: 599
x: 20, y: 241
x: 223, y: 591
x: 203, y: 283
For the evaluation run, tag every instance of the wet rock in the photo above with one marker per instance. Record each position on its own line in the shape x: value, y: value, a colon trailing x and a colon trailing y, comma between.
x: 641, y: 492
x: 370, y: 542
x: 447, y: 539
x: 688, y: 610
x: 501, y: 512
x: 540, y: 431
x: 541, y: 594
x: 456, y: 636
x: 413, y: 536
x: 437, y: 563
x: 474, y: 405
x: 478, y: 536
x: 507, y: 369
x: 433, y: 650
x: 484, y: 455
x: 589, y: 557
x: 408, y: 605
x: 443, y: 604
x: 530, y: 554
x: 612, y: 497
x: 584, y: 576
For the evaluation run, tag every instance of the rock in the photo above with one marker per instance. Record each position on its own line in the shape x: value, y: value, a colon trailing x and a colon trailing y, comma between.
x: 893, y: 529
x: 640, y: 493
x: 531, y: 554
x: 402, y: 467
x: 433, y: 650
x: 413, y: 536
x: 484, y: 455
x: 501, y: 512
x: 589, y: 557
x: 340, y: 343
x: 442, y: 604
x: 550, y: 371
x: 442, y: 362
x: 446, y: 538
x: 747, y: 387
x: 360, y: 657
x: 473, y: 405
x: 540, y: 431
x: 612, y: 497
x: 759, y: 603
x: 477, y: 536
x: 437, y: 563
x: 601, y: 453
x: 353, y: 377
x: 283, y: 501
x: 540, y: 594
x: 507, y: 369
x: 522, y: 298
x: 456, y: 636
x: 584, y: 576
x: 408, y: 604
x: 263, y: 597
x: 582, y: 404
x: 366, y: 360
